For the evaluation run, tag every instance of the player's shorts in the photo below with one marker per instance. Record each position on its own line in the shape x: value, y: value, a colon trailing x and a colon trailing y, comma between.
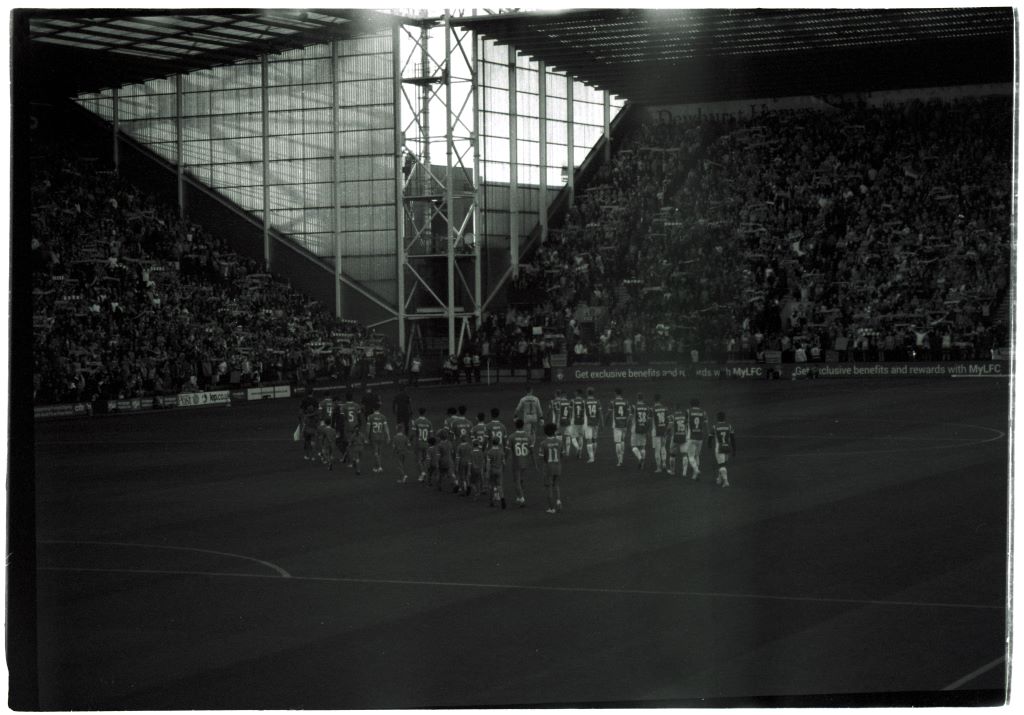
x: 693, y: 447
x: 619, y: 434
x: 494, y: 479
x: 681, y: 446
x: 519, y: 467
x: 590, y: 432
x: 474, y: 474
x: 638, y: 439
x: 721, y: 457
x: 657, y: 441
x: 551, y: 474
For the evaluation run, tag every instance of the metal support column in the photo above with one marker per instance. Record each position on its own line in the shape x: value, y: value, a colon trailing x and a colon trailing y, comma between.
x: 475, y: 218
x: 396, y: 84
x: 542, y: 200
x: 513, y: 164
x: 607, y: 126
x: 447, y: 194
x: 570, y: 140
x: 117, y: 133
x: 335, y: 177
x: 179, y: 152
x: 449, y: 191
x: 265, y: 119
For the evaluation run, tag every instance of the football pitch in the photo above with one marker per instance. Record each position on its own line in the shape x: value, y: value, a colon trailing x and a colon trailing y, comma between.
x: 191, y: 559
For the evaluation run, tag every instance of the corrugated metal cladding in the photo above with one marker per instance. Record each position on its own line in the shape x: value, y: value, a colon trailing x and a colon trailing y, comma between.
x: 222, y: 145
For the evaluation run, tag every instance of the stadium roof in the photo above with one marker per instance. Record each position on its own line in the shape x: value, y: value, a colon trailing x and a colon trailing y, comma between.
x: 680, y: 55
x: 649, y: 56
x: 87, y: 50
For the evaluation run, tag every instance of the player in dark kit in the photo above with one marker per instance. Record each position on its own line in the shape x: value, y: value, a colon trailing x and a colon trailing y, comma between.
x: 551, y: 455
x: 659, y: 433
x: 495, y: 468
x: 352, y: 414
x: 579, y: 419
x: 620, y: 421
x: 446, y: 460
x: 593, y: 410
x: 724, y: 442
x: 309, y: 418
x: 379, y: 434
x: 641, y: 427
x: 476, y: 468
x: 697, y: 419
x: 421, y: 432
x: 519, y: 445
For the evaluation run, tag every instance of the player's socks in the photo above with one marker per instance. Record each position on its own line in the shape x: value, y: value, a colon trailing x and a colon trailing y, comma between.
x: 591, y: 450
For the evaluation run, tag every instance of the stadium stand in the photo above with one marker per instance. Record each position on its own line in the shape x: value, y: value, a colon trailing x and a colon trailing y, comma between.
x: 129, y: 300
x: 876, y: 232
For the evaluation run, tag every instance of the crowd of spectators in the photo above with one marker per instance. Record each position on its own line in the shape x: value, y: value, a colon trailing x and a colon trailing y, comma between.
x: 130, y: 300
x: 881, y: 232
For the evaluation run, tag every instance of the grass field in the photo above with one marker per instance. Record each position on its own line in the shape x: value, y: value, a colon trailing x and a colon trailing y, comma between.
x: 192, y: 559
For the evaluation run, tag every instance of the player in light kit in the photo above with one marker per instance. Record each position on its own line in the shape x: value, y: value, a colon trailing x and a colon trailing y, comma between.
x: 461, y: 424
x: 680, y: 435
x: 449, y: 420
x: 551, y: 454
x: 579, y: 419
x: 495, y: 428
x: 724, y: 442
x: 641, y: 426
x: 620, y: 420
x: 519, y: 445
x: 659, y: 432
x: 377, y: 426
x: 421, y: 431
x: 494, y: 467
x: 529, y: 410
x: 479, y: 430
x: 593, y: 421
x: 697, y: 420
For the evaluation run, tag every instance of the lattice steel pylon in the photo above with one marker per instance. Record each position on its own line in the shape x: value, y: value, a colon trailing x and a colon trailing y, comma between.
x: 439, y: 250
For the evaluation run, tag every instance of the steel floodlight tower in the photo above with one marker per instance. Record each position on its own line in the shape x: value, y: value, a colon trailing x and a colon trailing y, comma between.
x: 438, y: 245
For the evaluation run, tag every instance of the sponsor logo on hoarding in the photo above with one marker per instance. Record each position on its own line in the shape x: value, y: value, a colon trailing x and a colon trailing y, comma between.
x: 200, y: 399
x: 68, y: 410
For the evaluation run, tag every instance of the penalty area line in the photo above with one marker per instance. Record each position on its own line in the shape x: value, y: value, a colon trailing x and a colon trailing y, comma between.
x: 560, y: 589
x: 974, y: 674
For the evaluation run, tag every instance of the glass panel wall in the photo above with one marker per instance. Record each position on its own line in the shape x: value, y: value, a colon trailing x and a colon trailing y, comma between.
x: 222, y: 144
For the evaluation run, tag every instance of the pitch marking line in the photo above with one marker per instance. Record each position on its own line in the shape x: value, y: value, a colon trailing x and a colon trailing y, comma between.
x: 563, y: 589
x: 280, y: 571
x: 971, y: 676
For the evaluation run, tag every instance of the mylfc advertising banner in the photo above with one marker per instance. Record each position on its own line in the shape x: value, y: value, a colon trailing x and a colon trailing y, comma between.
x: 757, y: 371
x: 202, y: 399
